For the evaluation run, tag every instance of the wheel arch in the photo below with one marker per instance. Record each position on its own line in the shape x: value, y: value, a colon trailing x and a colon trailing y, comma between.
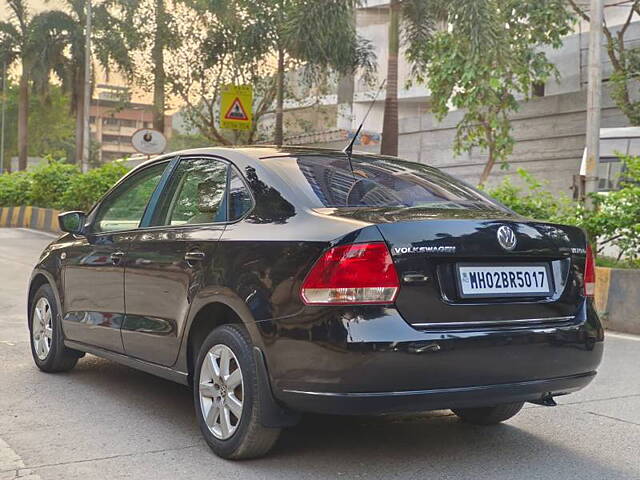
x: 38, y: 279
x: 208, y: 316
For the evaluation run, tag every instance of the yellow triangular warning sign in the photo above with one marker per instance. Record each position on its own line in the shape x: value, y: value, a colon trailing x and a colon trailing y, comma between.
x: 235, y: 107
x: 236, y: 111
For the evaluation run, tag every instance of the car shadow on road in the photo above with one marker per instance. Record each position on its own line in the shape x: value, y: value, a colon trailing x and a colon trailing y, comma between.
x: 404, y: 446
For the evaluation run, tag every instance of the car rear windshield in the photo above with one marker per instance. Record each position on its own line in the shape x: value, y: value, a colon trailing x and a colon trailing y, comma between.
x: 385, y: 182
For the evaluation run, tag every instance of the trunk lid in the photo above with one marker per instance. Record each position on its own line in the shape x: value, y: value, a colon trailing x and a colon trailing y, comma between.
x: 429, y: 244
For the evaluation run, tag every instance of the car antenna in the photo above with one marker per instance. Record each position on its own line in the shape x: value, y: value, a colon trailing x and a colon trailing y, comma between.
x: 349, y: 148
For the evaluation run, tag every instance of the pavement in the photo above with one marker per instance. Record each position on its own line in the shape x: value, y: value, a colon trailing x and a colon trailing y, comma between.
x: 106, y: 421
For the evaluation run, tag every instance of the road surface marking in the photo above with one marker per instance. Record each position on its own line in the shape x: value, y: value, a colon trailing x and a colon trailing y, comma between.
x: 46, y: 234
x: 624, y: 336
x: 12, y: 466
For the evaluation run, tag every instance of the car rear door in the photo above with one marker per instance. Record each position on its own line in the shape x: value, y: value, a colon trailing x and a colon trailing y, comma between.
x: 93, y: 269
x: 171, y: 257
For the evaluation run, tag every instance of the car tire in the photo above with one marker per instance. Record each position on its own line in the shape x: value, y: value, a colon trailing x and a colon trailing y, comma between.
x: 217, y: 393
x: 488, y: 415
x: 47, y: 339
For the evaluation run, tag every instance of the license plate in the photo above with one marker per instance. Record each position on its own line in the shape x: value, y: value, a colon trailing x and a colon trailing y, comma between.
x: 504, y: 280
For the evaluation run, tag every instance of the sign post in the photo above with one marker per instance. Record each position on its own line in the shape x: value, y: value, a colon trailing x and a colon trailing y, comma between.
x: 236, y: 107
x: 148, y: 141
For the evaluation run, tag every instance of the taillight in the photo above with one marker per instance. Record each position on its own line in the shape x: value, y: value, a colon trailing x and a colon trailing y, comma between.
x: 352, y: 274
x: 589, y: 274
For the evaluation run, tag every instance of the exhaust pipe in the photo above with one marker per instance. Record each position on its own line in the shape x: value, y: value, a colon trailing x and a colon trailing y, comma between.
x: 545, y: 400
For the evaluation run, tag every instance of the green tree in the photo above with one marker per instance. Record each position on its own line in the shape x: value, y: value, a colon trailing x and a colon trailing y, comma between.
x: 149, y: 44
x: 216, y: 49
x: 68, y: 59
x: 26, y: 40
x: 488, y: 54
x: 389, y: 145
x: 315, y: 36
x: 416, y: 19
x: 50, y: 125
x: 625, y: 60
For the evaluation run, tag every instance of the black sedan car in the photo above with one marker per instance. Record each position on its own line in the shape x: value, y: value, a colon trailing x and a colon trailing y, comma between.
x: 276, y: 281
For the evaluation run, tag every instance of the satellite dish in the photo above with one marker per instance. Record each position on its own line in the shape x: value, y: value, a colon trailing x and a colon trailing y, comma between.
x: 148, y: 141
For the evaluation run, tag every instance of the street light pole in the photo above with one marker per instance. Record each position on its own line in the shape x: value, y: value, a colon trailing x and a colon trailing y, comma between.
x: 594, y: 100
x: 87, y: 92
x: 4, y: 104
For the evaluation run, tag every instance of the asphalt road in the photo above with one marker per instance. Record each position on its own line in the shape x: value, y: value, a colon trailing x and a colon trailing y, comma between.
x: 105, y: 421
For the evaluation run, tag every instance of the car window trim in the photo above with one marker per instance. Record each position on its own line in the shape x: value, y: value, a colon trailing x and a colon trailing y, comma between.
x: 150, y: 209
x: 247, y: 188
x: 114, y: 189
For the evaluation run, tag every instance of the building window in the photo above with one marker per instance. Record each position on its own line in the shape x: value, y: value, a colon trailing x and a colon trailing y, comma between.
x: 127, y: 123
x: 537, y: 89
x: 110, y: 121
x: 112, y: 139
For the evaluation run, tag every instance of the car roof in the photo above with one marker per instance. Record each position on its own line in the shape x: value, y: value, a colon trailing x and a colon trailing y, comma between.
x: 257, y: 152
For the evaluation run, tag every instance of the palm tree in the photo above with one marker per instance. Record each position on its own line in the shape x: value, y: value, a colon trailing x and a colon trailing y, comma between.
x: 25, y: 40
x: 125, y: 18
x: 68, y: 60
x: 389, y: 145
x: 412, y: 21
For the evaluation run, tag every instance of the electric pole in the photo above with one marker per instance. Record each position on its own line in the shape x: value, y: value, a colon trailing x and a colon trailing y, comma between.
x: 594, y: 99
x: 4, y: 104
x: 87, y: 93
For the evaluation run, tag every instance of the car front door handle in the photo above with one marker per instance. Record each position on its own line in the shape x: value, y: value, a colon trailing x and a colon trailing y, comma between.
x: 116, y: 257
x: 194, y: 256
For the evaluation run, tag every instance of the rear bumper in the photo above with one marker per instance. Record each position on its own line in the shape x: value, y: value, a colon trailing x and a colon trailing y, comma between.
x: 435, y: 399
x: 369, y: 360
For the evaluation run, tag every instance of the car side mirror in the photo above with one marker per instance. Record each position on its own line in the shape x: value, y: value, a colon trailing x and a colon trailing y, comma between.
x: 72, y: 222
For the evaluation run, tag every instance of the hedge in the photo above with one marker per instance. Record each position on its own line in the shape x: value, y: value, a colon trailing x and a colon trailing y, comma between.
x: 59, y: 185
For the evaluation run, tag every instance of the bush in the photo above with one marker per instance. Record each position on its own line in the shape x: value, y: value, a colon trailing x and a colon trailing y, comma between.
x: 58, y: 185
x: 15, y: 189
x: 85, y: 190
x: 614, y: 221
x: 534, y: 201
x: 50, y: 181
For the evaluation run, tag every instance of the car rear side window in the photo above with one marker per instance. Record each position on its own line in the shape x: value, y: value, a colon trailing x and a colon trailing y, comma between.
x: 382, y: 182
x: 196, y: 194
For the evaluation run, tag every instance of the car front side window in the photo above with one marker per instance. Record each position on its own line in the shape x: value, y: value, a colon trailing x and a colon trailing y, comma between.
x: 124, y: 207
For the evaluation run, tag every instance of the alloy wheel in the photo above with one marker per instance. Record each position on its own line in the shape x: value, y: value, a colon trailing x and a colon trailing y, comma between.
x: 221, y: 391
x: 42, y: 328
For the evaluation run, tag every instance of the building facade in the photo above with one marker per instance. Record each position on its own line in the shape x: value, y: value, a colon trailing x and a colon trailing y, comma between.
x: 114, y: 119
x: 549, y: 129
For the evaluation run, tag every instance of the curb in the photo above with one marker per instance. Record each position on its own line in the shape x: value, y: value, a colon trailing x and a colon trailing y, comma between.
x: 45, y: 219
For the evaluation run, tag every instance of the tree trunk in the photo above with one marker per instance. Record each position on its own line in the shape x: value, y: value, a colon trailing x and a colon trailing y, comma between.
x: 488, y: 166
x: 279, y: 132
x: 23, y: 119
x: 390, y: 123
x: 78, y: 103
x: 158, y: 69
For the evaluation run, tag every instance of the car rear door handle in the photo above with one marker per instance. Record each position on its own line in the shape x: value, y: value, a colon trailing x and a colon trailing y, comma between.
x: 194, y: 256
x: 116, y: 257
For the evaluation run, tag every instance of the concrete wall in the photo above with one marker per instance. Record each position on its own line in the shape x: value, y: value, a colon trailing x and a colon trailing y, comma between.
x: 617, y: 299
x: 45, y: 219
x: 549, y: 133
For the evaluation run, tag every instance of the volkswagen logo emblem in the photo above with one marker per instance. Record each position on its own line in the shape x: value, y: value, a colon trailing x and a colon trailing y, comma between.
x: 507, y: 238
